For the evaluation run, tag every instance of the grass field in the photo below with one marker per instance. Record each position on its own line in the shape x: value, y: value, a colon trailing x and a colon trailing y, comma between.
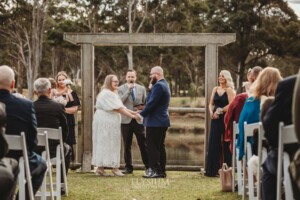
x: 177, y: 186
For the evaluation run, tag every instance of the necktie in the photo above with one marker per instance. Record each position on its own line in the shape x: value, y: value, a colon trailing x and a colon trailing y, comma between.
x: 133, y: 94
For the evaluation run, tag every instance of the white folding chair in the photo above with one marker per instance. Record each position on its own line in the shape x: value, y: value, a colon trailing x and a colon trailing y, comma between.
x: 237, y: 161
x: 56, y: 134
x: 262, y: 155
x: 248, y: 132
x: 18, y: 142
x: 287, y: 135
x: 43, y: 141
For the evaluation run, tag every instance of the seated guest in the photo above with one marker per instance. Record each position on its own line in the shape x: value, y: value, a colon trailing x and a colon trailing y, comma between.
x: 51, y: 114
x: 21, y: 118
x: 9, y: 168
x: 280, y: 110
x: 236, y: 106
x: 263, y: 87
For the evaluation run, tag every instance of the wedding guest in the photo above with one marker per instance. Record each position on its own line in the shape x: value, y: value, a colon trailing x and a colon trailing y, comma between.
x: 71, y: 107
x: 264, y: 86
x: 221, y: 97
x: 279, y: 111
x: 9, y: 168
x: 51, y: 114
x: 236, y: 106
x: 21, y: 118
x: 107, y: 127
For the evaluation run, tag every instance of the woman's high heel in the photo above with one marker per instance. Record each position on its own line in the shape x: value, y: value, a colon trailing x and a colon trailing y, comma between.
x: 100, y: 172
x: 117, y: 172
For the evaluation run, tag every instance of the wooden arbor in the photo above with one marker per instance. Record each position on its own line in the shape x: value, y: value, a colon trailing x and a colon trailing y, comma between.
x: 87, y: 41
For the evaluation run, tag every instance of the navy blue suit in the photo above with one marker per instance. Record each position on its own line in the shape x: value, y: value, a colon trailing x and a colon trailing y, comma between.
x: 155, y: 112
x: 21, y: 118
x: 156, y: 120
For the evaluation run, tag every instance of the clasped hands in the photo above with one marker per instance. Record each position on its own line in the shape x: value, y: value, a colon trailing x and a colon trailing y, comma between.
x: 137, y: 116
x: 216, y: 114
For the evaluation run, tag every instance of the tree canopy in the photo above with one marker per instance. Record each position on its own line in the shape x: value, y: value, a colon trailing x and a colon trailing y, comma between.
x: 32, y: 42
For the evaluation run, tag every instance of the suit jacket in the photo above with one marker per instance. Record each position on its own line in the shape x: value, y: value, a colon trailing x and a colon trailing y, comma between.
x: 280, y: 110
x: 125, y: 94
x: 20, y: 117
x: 156, y: 113
x: 51, y: 114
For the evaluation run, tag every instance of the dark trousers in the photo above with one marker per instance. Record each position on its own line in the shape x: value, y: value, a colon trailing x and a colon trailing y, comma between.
x: 155, y: 140
x: 9, y: 171
x: 269, y: 177
x: 127, y: 133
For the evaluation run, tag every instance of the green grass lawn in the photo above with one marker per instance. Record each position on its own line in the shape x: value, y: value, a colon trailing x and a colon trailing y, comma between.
x: 178, y: 185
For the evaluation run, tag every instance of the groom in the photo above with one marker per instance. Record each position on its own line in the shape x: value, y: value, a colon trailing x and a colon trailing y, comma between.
x: 156, y: 120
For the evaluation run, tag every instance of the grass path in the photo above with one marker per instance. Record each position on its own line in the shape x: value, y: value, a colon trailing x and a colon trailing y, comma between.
x: 177, y: 186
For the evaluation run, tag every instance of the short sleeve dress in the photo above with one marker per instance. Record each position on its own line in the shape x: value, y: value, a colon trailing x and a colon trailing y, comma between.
x: 107, y: 130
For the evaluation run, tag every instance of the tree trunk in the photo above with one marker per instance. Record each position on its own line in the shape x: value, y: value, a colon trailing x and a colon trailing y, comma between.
x: 129, y: 57
x: 241, y: 76
x: 20, y: 77
x: 37, y: 26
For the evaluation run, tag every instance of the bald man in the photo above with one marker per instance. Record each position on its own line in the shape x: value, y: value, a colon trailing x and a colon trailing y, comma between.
x: 21, y: 118
x: 156, y: 120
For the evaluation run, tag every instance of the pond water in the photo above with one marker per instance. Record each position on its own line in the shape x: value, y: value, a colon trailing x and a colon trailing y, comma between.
x: 182, y: 149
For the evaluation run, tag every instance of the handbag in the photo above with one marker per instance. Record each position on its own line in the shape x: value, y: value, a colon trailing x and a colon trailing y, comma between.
x: 226, y: 178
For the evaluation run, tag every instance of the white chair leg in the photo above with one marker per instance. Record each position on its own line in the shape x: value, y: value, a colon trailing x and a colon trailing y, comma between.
x: 240, y: 174
x: 22, y: 180
x: 58, y: 175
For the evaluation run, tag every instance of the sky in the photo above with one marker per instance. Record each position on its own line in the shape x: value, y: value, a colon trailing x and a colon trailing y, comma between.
x: 295, y: 4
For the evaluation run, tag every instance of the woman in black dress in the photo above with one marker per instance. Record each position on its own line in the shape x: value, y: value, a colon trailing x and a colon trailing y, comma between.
x: 71, y: 107
x: 220, y: 98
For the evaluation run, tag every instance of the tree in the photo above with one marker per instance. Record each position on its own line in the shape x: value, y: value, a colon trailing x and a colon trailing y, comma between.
x: 257, y: 24
x: 27, y: 38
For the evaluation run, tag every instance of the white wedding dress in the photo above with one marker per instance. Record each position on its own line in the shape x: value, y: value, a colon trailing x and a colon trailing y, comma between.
x: 107, y: 130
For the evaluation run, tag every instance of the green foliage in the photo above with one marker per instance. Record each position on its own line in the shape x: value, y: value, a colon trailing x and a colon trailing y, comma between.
x: 266, y: 30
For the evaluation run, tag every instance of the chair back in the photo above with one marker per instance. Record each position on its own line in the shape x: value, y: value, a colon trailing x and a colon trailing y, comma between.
x: 262, y: 154
x: 248, y: 132
x: 236, y: 161
x: 18, y: 142
x: 287, y: 135
x: 56, y: 134
x: 43, y: 141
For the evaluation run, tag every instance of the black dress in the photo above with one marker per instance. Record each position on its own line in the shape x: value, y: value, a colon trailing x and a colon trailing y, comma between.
x: 71, y: 122
x: 217, y: 130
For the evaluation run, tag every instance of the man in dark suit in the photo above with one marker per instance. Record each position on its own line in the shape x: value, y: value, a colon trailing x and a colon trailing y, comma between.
x: 280, y: 110
x: 21, y: 118
x: 156, y: 120
x: 133, y: 97
x: 51, y: 114
x: 9, y: 168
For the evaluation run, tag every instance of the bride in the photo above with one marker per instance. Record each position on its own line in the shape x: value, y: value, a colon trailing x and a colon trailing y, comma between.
x: 107, y: 127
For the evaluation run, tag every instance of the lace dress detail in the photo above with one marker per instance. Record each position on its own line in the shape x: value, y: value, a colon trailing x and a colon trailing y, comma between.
x: 107, y: 130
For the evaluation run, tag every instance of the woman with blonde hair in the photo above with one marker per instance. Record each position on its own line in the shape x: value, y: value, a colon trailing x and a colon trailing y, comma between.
x: 107, y: 127
x: 221, y: 97
x: 264, y: 86
x: 71, y: 107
